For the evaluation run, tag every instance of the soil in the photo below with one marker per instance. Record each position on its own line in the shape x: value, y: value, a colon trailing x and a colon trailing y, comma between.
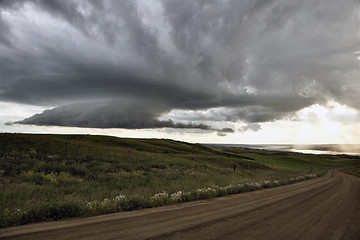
x: 323, y: 208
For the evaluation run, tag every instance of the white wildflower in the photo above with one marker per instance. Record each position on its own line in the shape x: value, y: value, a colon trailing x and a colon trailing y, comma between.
x: 119, y: 198
x: 176, y: 197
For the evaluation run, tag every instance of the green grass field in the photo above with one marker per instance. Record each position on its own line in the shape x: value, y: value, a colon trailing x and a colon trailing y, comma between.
x: 294, y: 161
x: 49, y: 177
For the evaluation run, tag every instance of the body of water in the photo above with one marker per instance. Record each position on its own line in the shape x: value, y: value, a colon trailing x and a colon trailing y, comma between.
x: 324, y: 152
x: 333, y: 149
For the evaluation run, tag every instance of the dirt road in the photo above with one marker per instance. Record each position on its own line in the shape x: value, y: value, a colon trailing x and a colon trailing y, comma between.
x: 322, y: 208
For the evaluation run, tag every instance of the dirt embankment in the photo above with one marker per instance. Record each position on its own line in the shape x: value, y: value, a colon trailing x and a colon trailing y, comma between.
x: 322, y: 208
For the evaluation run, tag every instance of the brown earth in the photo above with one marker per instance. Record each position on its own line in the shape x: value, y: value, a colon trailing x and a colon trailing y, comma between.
x: 322, y: 208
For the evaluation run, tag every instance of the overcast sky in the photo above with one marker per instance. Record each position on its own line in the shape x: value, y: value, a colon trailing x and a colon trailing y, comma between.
x: 201, y: 71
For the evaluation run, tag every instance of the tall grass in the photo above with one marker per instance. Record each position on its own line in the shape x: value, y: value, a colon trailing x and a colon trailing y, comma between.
x: 50, y: 177
x: 75, y: 207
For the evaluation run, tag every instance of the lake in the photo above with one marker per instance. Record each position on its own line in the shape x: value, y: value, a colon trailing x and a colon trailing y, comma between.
x: 333, y: 149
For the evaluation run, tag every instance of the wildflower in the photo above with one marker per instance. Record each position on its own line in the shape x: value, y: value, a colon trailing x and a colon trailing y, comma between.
x: 176, y: 197
x: 160, y: 195
x: 119, y: 198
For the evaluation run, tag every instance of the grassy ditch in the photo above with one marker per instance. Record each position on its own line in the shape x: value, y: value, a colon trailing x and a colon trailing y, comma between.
x: 352, y: 171
x: 51, y: 177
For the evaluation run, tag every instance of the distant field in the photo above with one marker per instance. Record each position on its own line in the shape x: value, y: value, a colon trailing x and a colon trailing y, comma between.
x: 46, y: 177
x: 292, y: 161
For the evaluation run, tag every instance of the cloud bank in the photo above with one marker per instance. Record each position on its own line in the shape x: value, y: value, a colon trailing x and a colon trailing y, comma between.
x: 126, y: 64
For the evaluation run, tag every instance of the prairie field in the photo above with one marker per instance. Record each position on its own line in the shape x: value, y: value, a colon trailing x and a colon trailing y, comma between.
x: 51, y: 177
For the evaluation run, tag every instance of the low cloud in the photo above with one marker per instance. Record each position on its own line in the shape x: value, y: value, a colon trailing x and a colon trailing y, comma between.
x: 221, y: 134
x: 227, y: 130
x: 224, y: 131
x: 251, y: 126
x: 112, y: 64
x: 128, y: 114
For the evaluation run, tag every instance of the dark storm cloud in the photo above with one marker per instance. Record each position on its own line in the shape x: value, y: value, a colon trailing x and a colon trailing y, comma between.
x: 5, y: 32
x: 130, y: 114
x: 127, y: 63
x: 108, y: 114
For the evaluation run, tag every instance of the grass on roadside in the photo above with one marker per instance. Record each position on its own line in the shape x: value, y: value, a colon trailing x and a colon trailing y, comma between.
x: 352, y: 171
